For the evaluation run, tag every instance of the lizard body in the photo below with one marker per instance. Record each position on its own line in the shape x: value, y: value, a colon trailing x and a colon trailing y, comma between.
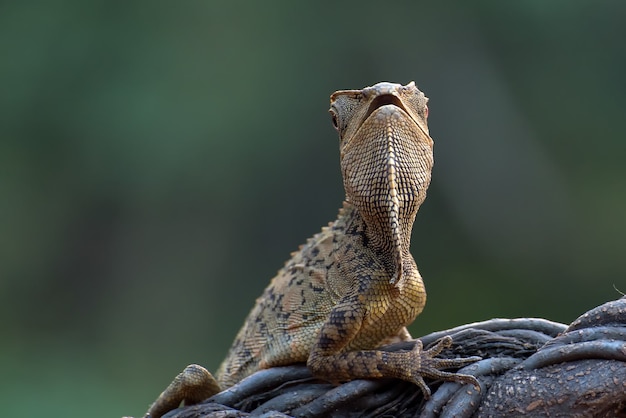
x: 354, y: 286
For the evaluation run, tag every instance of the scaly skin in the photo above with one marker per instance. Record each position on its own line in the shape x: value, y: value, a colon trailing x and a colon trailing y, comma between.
x: 354, y: 286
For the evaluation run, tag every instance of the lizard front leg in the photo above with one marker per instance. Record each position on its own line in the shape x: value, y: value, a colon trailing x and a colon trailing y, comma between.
x: 330, y: 360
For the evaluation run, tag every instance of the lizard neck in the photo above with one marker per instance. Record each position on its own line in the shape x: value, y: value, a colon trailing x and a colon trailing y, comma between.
x: 385, y: 178
x: 390, y: 241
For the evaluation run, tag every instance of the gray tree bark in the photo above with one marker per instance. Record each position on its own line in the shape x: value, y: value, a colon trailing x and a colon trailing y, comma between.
x: 531, y: 367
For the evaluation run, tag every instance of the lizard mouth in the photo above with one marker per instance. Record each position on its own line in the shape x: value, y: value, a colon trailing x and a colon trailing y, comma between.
x: 383, y: 100
x: 391, y: 99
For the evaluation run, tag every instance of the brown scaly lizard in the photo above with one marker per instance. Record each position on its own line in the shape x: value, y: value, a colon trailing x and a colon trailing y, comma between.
x: 354, y: 286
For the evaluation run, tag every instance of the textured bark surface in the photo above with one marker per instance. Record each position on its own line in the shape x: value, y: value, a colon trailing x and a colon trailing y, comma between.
x: 530, y: 367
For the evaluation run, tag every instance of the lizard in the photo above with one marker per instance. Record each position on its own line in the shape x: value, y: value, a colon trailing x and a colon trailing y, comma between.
x: 354, y: 286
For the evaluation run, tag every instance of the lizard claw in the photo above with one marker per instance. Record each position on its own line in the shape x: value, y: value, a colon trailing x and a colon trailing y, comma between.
x: 429, y: 366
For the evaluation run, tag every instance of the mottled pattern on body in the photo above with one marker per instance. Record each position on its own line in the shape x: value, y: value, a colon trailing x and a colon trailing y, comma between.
x: 299, y: 300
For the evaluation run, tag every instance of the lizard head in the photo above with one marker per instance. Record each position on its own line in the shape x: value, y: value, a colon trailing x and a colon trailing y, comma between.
x: 386, y: 162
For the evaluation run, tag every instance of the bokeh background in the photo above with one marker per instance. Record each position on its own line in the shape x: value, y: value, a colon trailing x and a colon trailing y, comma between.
x: 159, y: 162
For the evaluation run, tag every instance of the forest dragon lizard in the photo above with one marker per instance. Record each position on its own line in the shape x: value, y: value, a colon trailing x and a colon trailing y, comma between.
x: 354, y: 286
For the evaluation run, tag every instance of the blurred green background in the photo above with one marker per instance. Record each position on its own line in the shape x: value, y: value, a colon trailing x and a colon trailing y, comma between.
x: 159, y: 162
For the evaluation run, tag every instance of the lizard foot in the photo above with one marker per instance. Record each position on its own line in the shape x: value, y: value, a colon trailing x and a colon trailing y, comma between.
x: 192, y: 385
x: 426, y: 364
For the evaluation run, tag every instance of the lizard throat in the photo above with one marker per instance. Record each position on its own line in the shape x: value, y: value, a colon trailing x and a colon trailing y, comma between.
x: 386, y: 168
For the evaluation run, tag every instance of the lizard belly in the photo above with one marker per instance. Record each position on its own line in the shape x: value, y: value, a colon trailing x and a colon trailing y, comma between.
x: 391, y: 313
